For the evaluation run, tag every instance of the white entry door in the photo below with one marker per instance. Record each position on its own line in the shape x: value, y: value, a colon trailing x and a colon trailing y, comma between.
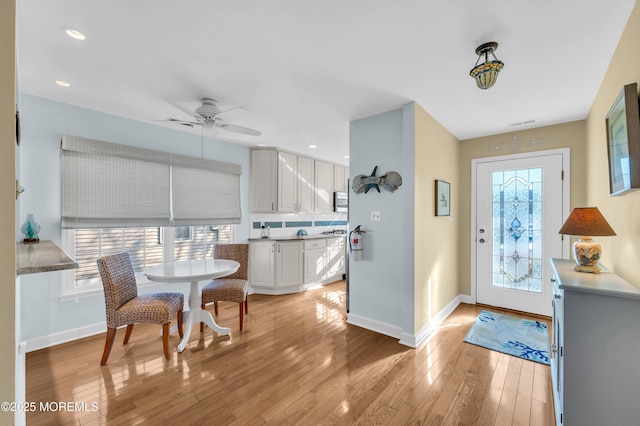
x: 519, y: 208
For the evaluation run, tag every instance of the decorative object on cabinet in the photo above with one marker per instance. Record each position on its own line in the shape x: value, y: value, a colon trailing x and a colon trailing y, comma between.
x: 623, y: 142
x: 30, y: 228
x: 486, y: 73
x: 390, y: 181
x: 585, y: 222
x: 443, y: 198
x: 524, y: 338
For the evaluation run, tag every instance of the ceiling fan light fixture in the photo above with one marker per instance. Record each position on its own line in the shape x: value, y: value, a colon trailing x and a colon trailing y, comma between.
x: 486, y: 73
x: 73, y: 33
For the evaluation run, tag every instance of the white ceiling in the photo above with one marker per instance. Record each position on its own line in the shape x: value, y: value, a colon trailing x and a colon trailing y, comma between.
x: 304, y: 69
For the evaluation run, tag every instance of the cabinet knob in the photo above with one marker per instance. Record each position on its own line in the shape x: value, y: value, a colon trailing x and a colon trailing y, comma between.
x: 557, y: 296
x: 553, y: 280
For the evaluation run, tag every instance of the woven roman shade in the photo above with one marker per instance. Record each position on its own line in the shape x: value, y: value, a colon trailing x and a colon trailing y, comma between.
x: 113, y: 185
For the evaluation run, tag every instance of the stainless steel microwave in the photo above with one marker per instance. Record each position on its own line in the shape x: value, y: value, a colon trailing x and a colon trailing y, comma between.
x: 340, y: 202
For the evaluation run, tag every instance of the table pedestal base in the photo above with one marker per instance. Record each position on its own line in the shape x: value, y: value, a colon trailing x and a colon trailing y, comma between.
x: 196, y: 315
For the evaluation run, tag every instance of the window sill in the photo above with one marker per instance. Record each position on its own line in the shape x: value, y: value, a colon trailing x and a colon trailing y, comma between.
x: 95, y: 292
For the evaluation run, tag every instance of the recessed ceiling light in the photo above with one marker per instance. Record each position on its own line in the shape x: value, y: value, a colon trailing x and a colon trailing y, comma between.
x: 71, y: 32
x: 62, y: 83
x: 313, y: 146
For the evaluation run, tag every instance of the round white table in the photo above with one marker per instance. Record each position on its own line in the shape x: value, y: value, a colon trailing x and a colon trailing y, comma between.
x: 194, y: 271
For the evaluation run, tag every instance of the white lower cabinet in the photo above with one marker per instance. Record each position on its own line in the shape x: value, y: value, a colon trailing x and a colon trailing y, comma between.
x: 288, y: 264
x: 285, y: 266
x: 262, y: 264
x: 595, y: 351
x: 314, y: 260
x: 335, y: 257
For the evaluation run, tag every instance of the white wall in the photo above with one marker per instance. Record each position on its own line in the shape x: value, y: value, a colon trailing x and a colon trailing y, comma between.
x: 381, y: 284
x: 43, y: 123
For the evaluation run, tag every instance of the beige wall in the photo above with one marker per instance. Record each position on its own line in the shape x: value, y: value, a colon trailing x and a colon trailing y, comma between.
x: 571, y: 135
x: 7, y: 213
x: 436, y: 238
x: 622, y: 252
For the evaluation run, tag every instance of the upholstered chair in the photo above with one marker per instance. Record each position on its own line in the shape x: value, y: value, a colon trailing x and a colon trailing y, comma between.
x: 125, y: 307
x: 232, y: 288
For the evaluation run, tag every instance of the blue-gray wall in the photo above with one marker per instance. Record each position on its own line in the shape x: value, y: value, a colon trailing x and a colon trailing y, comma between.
x: 43, y: 122
x: 381, y: 284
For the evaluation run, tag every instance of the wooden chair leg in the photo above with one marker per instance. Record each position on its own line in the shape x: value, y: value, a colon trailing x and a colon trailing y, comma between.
x: 127, y: 335
x: 180, y: 332
x: 165, y: 340
x: 108, y: 344
x: 202, y: 324
x: 215, y: 307
x: 246, y: 304
x: 241, y: 315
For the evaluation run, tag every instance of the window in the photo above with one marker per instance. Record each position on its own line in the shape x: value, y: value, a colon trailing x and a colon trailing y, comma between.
x: 150, y: 204
x: 146, y: 246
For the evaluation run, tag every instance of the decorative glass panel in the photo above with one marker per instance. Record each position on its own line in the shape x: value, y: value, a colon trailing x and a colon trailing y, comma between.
x: 517, y: 236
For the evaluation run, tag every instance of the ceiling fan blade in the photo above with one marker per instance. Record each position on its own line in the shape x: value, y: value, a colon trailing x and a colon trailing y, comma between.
x: 229, y: 110
x: 184, y: 109
x: 237, y: 129
x: 183, y: 122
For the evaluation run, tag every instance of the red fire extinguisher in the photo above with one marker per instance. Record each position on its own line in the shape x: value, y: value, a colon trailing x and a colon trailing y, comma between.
x: 355, y: 243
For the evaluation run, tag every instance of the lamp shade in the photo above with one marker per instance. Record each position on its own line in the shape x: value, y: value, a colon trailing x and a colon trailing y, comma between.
x: 586, y: 221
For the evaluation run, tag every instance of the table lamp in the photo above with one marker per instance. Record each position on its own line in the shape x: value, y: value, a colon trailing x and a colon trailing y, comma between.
x: 586, y: 221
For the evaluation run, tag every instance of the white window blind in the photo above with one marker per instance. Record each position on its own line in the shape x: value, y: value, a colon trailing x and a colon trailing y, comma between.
x: 112, y: 185
x: 216, y: 200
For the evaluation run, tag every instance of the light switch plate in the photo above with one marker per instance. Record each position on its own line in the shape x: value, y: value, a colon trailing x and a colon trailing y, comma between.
x: 375, y: 216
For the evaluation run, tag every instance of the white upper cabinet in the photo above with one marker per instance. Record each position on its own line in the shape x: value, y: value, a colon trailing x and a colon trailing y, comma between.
x: 340, y: 178
x: 283, y: 182
x: 287, y: 182
x: 324, y: 187
x: 306, y: 185
x: 264, y: 169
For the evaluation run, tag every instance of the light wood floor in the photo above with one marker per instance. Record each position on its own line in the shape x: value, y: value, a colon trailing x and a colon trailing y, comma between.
x: 296, y: 362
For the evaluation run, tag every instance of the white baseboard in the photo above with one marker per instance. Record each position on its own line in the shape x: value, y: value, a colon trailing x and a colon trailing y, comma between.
x: 375, y: 325
x: 409, y: 339
x: 65, y: 336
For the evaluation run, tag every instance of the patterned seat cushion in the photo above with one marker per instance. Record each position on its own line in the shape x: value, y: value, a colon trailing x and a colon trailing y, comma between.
x: 158, y: 308
x: 225, y: 289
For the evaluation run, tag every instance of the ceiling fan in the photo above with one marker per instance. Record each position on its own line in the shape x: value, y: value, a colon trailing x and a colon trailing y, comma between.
x: 208, y: 115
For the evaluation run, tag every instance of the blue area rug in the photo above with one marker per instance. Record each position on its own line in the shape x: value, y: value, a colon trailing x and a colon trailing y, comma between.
x: 511, y: 335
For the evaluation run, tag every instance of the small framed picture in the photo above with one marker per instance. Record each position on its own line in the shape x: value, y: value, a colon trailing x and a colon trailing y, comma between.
x: 443, y: 198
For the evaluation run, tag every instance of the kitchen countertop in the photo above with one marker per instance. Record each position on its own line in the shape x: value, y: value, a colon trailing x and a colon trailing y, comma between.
x: 297, y: 238
x: 44, y: 256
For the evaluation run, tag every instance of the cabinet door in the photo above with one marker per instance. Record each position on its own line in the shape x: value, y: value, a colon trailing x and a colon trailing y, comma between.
x: 288, y: 264
x: 306, y: 185
x: 287, y: 182
x: 314, y: 265
x: 264, y: 172
x: 339, y: 178
x: 557, y: 349
x: 324, y: 187
x: 335, y: 257
x: 262, y: 272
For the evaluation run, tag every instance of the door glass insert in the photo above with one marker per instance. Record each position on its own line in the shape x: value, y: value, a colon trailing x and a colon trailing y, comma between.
x: 517, y: 233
